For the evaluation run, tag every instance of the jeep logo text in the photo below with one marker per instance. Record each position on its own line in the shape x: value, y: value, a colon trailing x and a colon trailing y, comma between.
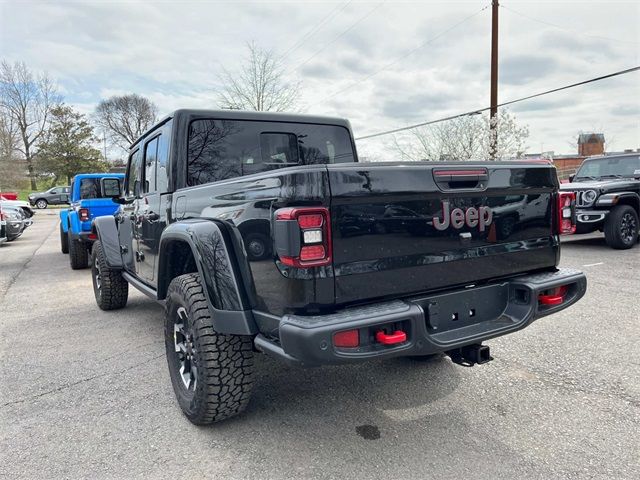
x: 457, y: 218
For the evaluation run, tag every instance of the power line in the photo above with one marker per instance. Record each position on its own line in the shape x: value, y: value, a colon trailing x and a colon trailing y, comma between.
x: 544, y: 22
x: 336, y: 10
x: 504, y: 104
x: 403, y: 56
x: 335, y: 39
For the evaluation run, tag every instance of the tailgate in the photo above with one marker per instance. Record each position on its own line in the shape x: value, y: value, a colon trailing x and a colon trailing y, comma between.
x: 400, y: 229
x: 98, y: 207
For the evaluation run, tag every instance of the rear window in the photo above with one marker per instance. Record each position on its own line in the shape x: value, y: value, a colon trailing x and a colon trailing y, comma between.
x: 223, y: 149
x: 90, y: 188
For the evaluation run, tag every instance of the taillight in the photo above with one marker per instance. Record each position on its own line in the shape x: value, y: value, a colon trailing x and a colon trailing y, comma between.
x: 303, y: 236
x: 83, y: 214
x: 566, y: 213
x: 346, y: 339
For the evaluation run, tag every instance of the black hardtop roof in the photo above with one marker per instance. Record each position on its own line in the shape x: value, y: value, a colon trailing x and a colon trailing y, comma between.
x: 250, y: 116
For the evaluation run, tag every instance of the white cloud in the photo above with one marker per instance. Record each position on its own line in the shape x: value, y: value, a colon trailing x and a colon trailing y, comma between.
x: 172, y: 53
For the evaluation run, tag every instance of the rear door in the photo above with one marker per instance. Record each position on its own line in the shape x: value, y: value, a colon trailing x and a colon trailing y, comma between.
x: 126, y: 216
x: 408, y: 228
x: 53, y: 196
x: 147, y: 213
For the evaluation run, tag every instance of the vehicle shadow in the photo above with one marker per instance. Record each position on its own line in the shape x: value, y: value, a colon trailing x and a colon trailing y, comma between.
x: 589, y: 241
x: 383, y: 384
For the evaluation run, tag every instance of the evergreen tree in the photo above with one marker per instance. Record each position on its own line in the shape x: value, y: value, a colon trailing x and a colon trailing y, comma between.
x: 68, y: 148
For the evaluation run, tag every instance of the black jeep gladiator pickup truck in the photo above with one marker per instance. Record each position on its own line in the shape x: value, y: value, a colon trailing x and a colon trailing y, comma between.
x: 607, y: 193
x: 262, y: 233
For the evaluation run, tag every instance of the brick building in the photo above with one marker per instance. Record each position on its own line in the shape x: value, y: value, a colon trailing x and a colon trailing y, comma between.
x: 590, y: 144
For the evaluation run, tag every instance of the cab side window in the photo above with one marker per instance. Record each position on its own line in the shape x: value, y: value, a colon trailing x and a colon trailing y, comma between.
x: 162, y: 159
x: 150, y: 156
x: 133, y: 175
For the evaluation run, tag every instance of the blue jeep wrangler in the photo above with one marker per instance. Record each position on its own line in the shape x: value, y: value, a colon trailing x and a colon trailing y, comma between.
x: 91, y: 197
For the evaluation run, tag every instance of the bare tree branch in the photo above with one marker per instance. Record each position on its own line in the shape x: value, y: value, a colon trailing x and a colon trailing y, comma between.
x: 464, y: 138
x: 28, y: 100
x: 125, y: 118
x: 260, y: 84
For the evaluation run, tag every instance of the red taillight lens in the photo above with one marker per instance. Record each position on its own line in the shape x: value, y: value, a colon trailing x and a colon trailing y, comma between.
x: 566, y: 213
x: 83, y: 214
x: 311, y: 253
x: 310, y: 221
x: 308, y: 241
x: 346, y: 339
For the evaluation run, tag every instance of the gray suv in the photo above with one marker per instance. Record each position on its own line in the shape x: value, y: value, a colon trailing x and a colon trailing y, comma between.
x: 53, y: 196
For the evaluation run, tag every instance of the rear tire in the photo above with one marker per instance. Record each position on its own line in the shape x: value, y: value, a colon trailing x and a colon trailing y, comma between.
x: 211, y: 373
x: 109, y: 287
x: 621, y: 227
x: 64, y: 241
x: 78, y: 254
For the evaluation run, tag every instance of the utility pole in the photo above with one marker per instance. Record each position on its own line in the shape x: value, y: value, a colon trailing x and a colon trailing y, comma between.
x: 494, y: 80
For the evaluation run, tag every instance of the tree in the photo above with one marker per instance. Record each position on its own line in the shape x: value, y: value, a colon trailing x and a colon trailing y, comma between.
x: 260, y: 84
x: 10, y: 172
x: 28, y: 100
x: 68, y: 149
x: 463, y: 138
x: 125, y: 118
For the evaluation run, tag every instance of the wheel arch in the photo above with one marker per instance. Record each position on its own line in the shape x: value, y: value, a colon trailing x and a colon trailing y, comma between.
x: 631, y: 199
x: 620, y: 198
x: 106, y: 230
x: 205, y: 247
x: 64, y: 220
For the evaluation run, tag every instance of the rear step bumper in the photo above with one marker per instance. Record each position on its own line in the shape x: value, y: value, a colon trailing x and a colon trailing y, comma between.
x: 431, y: 324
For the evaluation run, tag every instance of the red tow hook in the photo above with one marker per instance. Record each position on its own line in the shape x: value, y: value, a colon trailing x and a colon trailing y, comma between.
x: 396, y: 337
x: 555, y: 298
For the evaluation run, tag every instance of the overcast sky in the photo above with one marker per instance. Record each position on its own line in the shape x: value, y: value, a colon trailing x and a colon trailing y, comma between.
x: 381, y: 64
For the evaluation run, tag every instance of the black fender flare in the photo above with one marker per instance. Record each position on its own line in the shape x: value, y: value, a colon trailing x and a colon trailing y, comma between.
x: 612, y: 199
x: 227, y: 287
x: 107, y: 231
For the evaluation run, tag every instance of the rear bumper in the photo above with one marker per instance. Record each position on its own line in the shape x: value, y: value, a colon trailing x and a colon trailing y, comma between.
x: 432, y: 324
x: 83, y: 237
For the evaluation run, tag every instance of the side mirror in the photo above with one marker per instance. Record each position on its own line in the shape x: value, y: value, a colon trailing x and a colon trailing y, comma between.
x: 571, y: 177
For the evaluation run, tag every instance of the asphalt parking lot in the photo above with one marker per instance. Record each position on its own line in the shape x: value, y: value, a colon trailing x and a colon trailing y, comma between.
x: 86, y: 393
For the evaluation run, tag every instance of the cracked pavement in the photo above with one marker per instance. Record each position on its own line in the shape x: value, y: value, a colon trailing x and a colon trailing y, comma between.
x: 86, y: 393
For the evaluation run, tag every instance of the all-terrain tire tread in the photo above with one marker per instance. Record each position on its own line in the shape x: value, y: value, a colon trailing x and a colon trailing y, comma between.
x: 115, y: 289
x: 611, y: 228
x: 225, y: 373
x: 64, y: 241
x: 78, y: 255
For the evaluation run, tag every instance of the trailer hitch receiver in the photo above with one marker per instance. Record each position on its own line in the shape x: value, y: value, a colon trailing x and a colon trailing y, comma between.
x: 470, y: 355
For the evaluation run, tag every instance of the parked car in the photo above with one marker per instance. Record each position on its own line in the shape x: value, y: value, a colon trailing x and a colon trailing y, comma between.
x: 53, y: 196
x: 320, y: 297
x: 91, y: 196
x: 16, y: 222
x: 3, y: 227
x: 607, y: 190
x: 24, y: 206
